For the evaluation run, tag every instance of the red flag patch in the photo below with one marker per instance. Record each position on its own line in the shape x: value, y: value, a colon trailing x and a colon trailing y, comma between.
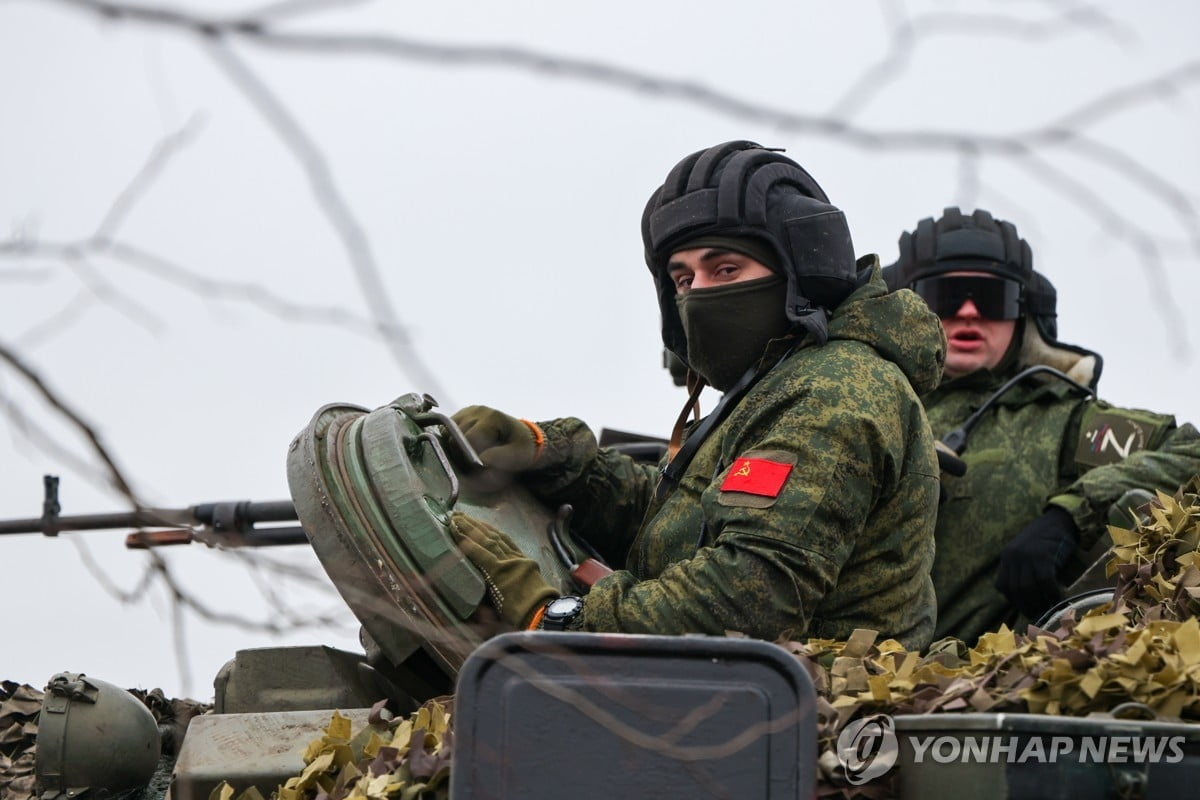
x: 758, y: 476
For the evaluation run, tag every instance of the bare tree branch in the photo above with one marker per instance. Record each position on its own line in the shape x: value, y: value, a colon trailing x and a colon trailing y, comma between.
x: 107, y: 293
x: 100, y: 574
x: 907, y: 35
x: 336, y: 209
x: 25, y: 275
x: 48, y: 443
x: 1062, y: 132
x: 116, y: 475
x: 969, y: 179
x: 150, y: 171
x: 201, y: 285
x: 295, y: 8
x: 69, y: 315
x: 1119, y: 226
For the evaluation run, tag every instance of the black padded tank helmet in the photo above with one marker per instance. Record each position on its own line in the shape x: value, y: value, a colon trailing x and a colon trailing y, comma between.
x: 979, y: 243
x: 742, y: 189
x: 957, y: 242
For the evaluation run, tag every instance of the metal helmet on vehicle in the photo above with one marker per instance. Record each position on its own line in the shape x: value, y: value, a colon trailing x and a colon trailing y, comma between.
x: 741, y: 189
x: 957, y: 242
x: 94, y: 737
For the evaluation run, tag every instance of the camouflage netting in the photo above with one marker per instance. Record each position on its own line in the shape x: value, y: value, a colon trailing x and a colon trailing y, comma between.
x: 406, y: 758
x: 19, y: 708
x: 1143, y: 648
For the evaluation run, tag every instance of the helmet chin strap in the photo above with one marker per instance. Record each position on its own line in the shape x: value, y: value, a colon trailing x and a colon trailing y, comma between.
x: 695, y: 384
x: 682, y: 455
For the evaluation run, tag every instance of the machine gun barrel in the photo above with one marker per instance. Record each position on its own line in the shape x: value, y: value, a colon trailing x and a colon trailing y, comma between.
x: 230, y: 523
x: 142, y: 518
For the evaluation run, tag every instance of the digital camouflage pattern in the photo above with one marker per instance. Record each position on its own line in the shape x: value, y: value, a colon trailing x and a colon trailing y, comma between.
x: 1039, y: 445
x: 846, y: 544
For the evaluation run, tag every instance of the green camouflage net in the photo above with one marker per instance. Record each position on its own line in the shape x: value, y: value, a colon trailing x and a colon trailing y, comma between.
x: 1143, y: 648
x: 19, y: 707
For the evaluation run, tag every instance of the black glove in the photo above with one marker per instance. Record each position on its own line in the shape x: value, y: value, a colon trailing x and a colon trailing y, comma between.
x: 1030, y: 563
x: 502, y: 442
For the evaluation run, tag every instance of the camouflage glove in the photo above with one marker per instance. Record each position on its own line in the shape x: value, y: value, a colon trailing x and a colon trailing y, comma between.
x: 516, y: 585
x: 501, y: 441
x: 1030, y: 563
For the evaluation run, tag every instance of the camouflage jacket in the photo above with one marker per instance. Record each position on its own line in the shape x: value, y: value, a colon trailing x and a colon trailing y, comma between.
x: 844, y: 542
x: 1042, y: 443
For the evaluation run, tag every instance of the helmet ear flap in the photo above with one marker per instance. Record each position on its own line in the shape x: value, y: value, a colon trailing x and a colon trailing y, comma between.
x: 821, y: 241
x: 1041, y: 301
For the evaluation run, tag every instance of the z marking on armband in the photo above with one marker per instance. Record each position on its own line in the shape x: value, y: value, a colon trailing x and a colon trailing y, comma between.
x: 1109, y: 439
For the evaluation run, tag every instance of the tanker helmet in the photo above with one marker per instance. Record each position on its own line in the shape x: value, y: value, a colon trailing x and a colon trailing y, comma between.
x: 743, y: 190
x: 956, y: 242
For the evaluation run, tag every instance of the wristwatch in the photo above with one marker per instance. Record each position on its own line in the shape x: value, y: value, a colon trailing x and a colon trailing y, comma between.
x: 561, y: 612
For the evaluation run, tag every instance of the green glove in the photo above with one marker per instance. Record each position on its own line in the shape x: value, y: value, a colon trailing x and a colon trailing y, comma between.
x: 501, y: 441
x: 513, y: 579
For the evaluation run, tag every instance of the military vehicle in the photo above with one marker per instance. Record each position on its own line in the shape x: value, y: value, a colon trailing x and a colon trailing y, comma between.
x: 559, y: 714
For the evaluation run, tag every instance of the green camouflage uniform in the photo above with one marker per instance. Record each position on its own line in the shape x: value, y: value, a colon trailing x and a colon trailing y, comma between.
x: 848, y: 540
x: 1042, y: 444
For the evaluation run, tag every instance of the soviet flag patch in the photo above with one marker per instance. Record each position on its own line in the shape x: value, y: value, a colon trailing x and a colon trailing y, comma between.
x: 756, y: 478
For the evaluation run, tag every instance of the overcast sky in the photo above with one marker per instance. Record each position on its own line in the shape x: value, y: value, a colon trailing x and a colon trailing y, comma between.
x: 494, y: 187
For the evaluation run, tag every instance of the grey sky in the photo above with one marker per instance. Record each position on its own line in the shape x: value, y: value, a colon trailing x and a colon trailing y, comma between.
x: 500, y: 199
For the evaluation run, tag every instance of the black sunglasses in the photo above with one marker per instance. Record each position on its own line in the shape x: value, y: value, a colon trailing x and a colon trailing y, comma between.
x: 995, y: 298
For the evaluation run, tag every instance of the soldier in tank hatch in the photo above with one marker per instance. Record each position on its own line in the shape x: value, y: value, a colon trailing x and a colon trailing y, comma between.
x: 1045, y: 458
x: 804, y: 503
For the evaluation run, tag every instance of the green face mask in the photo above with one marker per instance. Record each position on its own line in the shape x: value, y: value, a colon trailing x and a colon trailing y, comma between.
x: 728, y: 327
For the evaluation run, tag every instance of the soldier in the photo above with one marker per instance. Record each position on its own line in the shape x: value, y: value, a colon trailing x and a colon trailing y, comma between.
x: 803, y: 504
x: 1045, y: 459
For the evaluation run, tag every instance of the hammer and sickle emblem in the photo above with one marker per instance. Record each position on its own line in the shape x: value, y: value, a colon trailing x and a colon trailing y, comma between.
x: 744, y: 470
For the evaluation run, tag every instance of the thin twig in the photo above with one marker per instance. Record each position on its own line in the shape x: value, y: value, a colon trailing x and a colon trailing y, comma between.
x: 115, y: 473
x: 336, y: 209
x: 149, y: 173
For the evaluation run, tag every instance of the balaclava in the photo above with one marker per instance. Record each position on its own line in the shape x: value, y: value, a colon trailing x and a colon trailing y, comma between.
x: 728, y: 327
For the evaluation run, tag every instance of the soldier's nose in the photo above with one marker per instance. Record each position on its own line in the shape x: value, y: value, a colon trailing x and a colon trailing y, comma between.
x: 968, y: 309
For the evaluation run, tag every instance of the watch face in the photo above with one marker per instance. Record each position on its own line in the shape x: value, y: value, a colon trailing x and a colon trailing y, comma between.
x: 564, y: 606
x: 560, y: 613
